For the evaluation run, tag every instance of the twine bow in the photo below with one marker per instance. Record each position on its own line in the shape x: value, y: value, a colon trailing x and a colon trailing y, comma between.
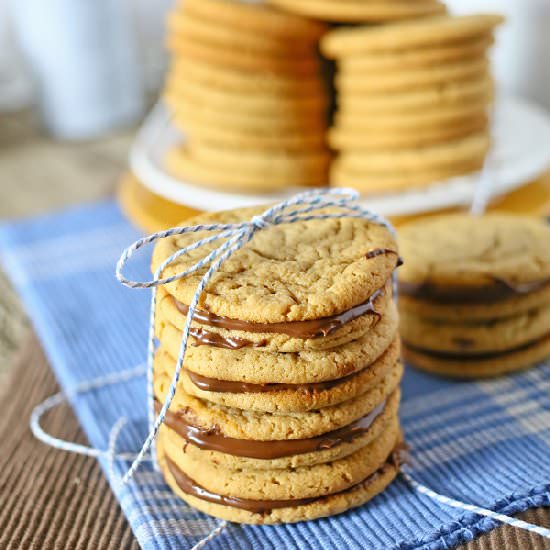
x: 301, y: 207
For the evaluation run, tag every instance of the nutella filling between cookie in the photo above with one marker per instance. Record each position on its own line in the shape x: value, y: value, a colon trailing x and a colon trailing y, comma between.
x: 499, y: 290
x: 314, y: 328
x: 213, y: 440
x: 192, y: 488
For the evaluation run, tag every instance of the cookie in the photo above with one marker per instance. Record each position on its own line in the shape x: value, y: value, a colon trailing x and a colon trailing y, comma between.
x: 244, y: 60
x: 426, y: 119
x: 417, y: 57
x: 183, y: 166
x: 506, y: 307
x: 471, y: 338
x: 388, y: 182
x: 277, y: 397
x: 286, y: 484
x: 393, y: 81
x: 244, y: 82
x: 261, y: 367
x: 290, y: 511
x: 292, y: 454
x: 294, y: 336
x: 423, y: 32
x: 193, y: 26
x: 256, y: 18
x: 485, y: 365
x: 201, y: 113
x: 361, y: 11
x: 469, y: 149
x: 339, y: 138
x: 480, y: 260
x: 263, y: 426
x: 478, y: 91
x: 289, y: 272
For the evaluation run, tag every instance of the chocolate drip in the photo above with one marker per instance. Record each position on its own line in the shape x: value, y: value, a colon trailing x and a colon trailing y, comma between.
x: 213, y: 440
x: 190, y: 487
x: 499, y: 290
x: 227, y: 386
x: 207, y: 338
x: 314, y: 328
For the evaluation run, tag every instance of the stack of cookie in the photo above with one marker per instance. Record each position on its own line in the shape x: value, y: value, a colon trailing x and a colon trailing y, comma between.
x: 475, y: 294
x: 361, y: 11
x: 287, y: 407
x: 245, y: 89
x: 413, y: 101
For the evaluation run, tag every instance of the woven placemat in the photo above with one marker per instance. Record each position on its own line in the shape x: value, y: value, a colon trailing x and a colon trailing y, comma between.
x: 52, y: 499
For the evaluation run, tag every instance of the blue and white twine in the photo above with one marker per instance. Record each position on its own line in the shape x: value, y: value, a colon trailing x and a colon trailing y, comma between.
x: 301, y: 207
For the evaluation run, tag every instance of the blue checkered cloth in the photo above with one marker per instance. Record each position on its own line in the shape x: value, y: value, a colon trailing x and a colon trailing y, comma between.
x: 485, y: 443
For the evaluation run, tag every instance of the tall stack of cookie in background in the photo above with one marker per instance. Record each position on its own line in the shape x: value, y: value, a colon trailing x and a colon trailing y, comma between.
x: 475, y: 294
x: 413, y: 100
x: 245, y: 88
x: 287, y: 406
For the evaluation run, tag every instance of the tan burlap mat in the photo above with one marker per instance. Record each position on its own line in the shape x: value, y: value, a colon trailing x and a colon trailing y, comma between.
x: 54, y: 500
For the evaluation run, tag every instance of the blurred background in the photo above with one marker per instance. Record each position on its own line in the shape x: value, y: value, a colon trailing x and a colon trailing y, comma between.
x: 77, y: 78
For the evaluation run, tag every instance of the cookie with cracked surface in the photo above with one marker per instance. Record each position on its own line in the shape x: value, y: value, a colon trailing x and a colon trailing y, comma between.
x: 269, y: 455
x: 254, y: 425
x: 274, y: 512
x: 289, y: 272
x: 277, y: 397
x: 261, y: 367
x: 293, y: 336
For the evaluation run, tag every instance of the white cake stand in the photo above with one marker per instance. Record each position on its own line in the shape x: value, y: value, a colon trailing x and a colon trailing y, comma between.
x: 521, y: 153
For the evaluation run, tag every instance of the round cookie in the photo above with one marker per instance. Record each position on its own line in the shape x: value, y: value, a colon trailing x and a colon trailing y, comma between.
x: 361, y: 11
x: 287, y: 272
x: 244, y: 60
x: 262, y: 103
x: 507, y: 307
x: 302, y: 398
x: 262, y: 426
x: 490, y: 257
x: 286, y: 164
x: 478, y: 91
x: 479, y: 367
x: 423, y: 32
x: 465, y: 150
x: 325, y: 506
x: 261, y: 367
x: 287, y: 338
x: 466, y: 338
x: 303, y: 482
x: 426, y: 120
x: 327, y: 447
x: 256, y: 18
x: 392, y: 81
x: 418, y: 57
x: 183, y: 166
x: 371, y: 182
x: 191, y: 25
x: 244, y: 82
x: 339, y: 138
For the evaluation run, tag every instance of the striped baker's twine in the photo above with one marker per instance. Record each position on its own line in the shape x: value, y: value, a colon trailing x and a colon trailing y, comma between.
x: 236, y: 236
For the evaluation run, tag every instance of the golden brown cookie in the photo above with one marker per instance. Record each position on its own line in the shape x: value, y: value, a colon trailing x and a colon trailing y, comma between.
x: 287, y: 272
x: 361, y: 11
x: 422, y: 32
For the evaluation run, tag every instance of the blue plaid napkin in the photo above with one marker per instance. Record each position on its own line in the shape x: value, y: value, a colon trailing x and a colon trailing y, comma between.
x: 484, y: 443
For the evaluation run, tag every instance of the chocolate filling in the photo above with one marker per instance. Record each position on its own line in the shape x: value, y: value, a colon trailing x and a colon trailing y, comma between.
x: 212, y: 440
x: 314, y: 328
x: 499, y: 290
x: 190, y: 487
x: 227, y: 386
x: 475, y: 356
